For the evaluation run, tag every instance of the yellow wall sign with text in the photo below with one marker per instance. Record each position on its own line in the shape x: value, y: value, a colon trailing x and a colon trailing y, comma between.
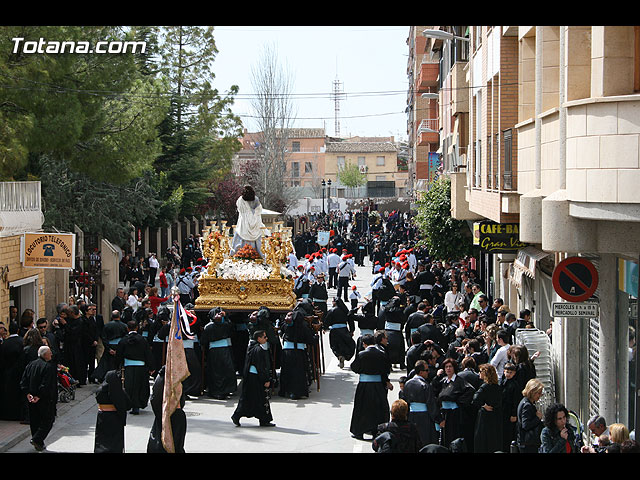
x: 48, y: 250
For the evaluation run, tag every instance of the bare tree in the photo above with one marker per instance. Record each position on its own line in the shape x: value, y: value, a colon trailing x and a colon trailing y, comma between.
x: 274, y: 114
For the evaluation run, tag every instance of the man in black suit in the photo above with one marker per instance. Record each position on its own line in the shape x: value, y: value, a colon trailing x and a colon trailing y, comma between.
x: 119, y: 301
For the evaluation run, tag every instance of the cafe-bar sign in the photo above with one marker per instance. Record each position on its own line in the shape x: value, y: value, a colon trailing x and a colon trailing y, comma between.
x: 48, y: 250
x: 494, y: 237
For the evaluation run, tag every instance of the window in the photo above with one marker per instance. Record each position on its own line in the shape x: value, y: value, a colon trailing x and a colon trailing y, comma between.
x: 295, y: 169
x: 295, y: 146
x: 308, y: 167
x: 381, y: 178
x: 508, y: 160
x: 341, y: 162
x: 362, y: 161
x: 380, y: 161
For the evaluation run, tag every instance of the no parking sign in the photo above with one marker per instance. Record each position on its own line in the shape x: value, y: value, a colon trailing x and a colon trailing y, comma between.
x: 575, y: 279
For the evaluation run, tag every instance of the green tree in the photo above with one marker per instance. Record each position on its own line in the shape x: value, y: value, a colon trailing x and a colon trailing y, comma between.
x: 199, y: 133
x: 445, y: 237
x: 97, y: 112
x: 350, y: 176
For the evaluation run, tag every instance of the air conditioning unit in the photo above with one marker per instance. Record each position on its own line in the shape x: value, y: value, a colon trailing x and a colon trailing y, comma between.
x: 363, y: 169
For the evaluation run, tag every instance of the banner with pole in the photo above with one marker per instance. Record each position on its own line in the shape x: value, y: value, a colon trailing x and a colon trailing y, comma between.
x: 176, y: 370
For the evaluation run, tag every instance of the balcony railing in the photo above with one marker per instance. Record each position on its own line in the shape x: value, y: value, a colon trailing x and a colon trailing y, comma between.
x: 20, y: 210
x: 19, y: 196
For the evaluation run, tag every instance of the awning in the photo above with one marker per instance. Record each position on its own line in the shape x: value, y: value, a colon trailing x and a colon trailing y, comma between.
x: 525, y: 264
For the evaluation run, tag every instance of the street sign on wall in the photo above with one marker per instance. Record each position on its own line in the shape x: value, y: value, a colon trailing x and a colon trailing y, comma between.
x: 575, y: 279
x: 48, y: 250
x: 587, y: 309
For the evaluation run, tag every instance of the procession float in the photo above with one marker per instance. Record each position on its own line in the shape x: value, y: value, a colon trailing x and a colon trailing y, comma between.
x: 244, y: 280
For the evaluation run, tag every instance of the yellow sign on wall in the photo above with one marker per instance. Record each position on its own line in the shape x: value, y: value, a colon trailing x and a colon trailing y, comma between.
x: 48, y: 250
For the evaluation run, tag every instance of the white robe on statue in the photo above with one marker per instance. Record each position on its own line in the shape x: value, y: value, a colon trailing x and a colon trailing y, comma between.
x: 249, y: 227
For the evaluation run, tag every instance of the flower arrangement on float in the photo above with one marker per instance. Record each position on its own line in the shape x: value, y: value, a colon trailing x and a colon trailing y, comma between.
x: 247, y: 252
x: 242, y: 270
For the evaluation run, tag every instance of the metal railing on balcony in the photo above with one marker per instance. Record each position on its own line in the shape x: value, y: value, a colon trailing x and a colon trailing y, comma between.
x: 20, y: 210
x: 20, y: 196
x: 428, y: 125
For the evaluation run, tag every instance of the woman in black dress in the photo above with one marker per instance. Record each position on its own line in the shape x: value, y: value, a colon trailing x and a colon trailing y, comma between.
x: 488, y: 401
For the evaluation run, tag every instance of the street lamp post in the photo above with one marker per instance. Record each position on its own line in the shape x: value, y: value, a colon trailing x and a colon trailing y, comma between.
x: 324, y: 185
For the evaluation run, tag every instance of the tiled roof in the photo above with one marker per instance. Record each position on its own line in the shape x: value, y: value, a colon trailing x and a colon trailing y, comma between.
x: 360, y: 147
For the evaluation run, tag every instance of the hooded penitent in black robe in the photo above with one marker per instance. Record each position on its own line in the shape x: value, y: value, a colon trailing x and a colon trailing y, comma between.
x: 12, y: 363
x: 254, y: 398
x: 297, y: 336
x: 192, y: 385
x: 460, y: 393
x: 112, y: 333
x: 134, y: 354
x: 109, y: 437
x: 239, y: 340
x: 263, y: 321
x: 178, y: 420
x: 367, y: 322
x: 423, y: 408
x: 370, y: 404
x: 220, y: 372
x: 488, y: 429
x: 392, y: 314
x: 341, y: 329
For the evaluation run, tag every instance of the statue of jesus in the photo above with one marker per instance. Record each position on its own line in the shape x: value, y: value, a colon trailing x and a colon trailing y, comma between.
x: 249, y: 226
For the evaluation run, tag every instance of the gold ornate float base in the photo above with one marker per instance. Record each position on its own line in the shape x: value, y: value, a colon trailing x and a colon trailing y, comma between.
x: 247, y: 296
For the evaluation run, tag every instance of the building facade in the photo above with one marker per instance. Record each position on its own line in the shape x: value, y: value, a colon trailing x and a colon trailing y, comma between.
x: 554, y: 148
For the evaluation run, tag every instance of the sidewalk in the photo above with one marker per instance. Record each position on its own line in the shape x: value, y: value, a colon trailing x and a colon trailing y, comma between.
x: 13, y: 432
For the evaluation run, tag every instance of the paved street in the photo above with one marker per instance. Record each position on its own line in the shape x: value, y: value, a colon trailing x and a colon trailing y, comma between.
x: 319, y: 424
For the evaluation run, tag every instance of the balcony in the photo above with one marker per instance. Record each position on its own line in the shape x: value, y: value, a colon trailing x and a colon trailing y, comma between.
x: 20, y: 208
x: 428, y: 132
x: 427, y: 76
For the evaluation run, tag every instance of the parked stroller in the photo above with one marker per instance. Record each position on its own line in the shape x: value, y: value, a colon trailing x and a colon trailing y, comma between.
x: 66, y: 385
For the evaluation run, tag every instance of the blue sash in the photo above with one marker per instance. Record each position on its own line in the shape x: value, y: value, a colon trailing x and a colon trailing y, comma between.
x: 337, y: 325
x: 365, y: 377
x: 225, y: 342
x: 292, y: 345
x: 417, y: 407
x: 366, y: 331
x: 133, y: 363
x: 392, y: 326
x: 253, y: 369
x: 115, y: 341
x: 187, y: 343
x: 449, y: 405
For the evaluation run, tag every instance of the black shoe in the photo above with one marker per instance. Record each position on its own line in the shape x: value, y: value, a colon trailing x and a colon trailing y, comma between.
x: 267, y: 424
x: 135, y: 411
x: 235, y: 420
x: 357, y: 437
x: 38, y: 446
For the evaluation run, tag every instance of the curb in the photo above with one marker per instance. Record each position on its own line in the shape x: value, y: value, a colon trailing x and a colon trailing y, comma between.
x: 13, y: 432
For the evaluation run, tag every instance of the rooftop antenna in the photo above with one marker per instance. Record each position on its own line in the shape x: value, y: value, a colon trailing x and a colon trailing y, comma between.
x: 337, y: 96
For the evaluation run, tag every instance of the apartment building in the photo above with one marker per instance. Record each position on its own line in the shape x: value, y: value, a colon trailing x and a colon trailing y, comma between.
x: 554, y: 149
x: 423, y: 125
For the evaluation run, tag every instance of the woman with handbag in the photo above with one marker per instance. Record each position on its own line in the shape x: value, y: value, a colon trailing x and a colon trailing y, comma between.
x: 530, y: 418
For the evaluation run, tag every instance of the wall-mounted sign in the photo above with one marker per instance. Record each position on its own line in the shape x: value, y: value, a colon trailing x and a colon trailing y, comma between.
x: 575, y: 279
x: 48, y: 250
x: 494, y: 237
x: 587, y: 309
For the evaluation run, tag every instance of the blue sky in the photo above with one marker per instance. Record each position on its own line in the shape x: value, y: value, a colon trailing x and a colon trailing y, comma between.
x: 369, y: 61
